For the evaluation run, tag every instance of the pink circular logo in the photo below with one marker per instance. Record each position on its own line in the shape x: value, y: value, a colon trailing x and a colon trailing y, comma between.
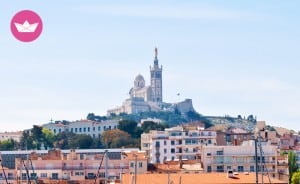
x: 26, y: 26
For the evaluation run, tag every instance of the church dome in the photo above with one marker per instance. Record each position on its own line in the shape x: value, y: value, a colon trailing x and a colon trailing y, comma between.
x: 139, y: 81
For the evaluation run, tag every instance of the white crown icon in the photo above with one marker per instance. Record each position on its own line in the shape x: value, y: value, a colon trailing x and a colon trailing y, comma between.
x: 26, y: 27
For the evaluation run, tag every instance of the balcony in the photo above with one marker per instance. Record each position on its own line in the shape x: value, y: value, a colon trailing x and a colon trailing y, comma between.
x: 73, y: 167
x: 282, y: 163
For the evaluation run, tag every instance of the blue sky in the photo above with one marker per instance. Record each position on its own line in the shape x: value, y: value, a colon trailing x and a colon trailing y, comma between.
x: 230, y: 57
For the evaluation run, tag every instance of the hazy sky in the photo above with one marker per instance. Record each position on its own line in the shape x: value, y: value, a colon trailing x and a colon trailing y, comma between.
x: 230, y: 57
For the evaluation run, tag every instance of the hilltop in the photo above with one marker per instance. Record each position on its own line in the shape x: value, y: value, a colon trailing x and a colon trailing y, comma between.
x: 177, y: 118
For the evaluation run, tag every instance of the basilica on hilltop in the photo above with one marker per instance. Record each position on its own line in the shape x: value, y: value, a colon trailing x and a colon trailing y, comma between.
x: 150, y: 98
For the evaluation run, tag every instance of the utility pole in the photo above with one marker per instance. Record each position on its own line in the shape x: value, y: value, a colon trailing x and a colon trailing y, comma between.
x: 256, y: 164
x: 3, y: 172
x: 106, y: 166
x: 135, y: 169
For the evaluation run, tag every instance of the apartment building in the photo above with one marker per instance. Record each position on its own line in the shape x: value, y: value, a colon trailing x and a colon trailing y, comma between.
x: 239, y: 158
x: 76, y: 166
x: 88, y: 127
x: 233, y: 136
x: 177, y: 143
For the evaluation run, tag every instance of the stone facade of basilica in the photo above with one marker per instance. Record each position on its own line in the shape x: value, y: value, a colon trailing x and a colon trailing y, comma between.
x: 149, y: 98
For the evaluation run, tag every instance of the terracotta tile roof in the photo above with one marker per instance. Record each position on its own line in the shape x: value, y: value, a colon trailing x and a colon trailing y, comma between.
x: 202, y: 178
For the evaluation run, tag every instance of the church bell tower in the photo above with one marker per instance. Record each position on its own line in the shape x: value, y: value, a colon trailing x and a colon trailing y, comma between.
x: 156, y: 80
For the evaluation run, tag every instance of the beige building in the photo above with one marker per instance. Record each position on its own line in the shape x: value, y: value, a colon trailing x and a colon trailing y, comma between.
x: 240, y: 158
x: 177, y: 143
x: 75, y: 166
x: 16, y: 136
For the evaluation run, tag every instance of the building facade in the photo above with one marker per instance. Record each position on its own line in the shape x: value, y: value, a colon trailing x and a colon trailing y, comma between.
x: 88, y: 127
x: 78, y: 166
x: 233, y: 137
x: 239, y: 158
x: 177, y: 143
x: 71, y: 165
x: 16, y: 136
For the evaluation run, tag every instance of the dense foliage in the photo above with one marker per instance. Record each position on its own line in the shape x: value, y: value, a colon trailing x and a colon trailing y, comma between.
x: 292, y: 163
x: 127, y: 135
x: 295, y: 178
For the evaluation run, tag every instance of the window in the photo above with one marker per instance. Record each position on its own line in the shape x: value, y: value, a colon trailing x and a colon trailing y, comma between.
x: 71, y: 129
x: 54, y: 130
x: 80, y: 129
x: 75, y: 129
x: 88, y: 129
x: 10, y: 176
x: 219, y: 152
x: 131, y: 164
x: 220, y: 168
x: 209, y: 168
x: 91, y: 176
x: 99, y: 128
x: 228, y: 167
x: 172, y: 150
x: 54, y: 176
x: 43, y: 175
x: 209, y: 141
x: 94, y: 128
x: 252, y: 168
x: 173, y: 158
x: 157, y: 144
x: 94, y: 136
x: 79, y: 173
x: 240, y: 168
x: 165, y: 151
x: 24, y: 176
x: 172, y: 142
x: 104, y: 127
x: 84, y: 129
x: 140, y: 164
x: 165, y: 142
x: 208, y: 154
x: 32, y: 175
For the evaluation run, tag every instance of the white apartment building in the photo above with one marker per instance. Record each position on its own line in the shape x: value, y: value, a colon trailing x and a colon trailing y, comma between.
x: 239, y: 158
x: 92, y: 128
x: 177, y: 143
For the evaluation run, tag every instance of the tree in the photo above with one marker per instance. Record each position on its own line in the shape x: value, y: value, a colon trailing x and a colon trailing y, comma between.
x: 296, y: 178
x: 63, y: 139
x: 150, y: 125
x: 292, y: 163
x: 27, y: 141
x: 115, y: 138
x: 37, y: 136
x: 49, y: 138
x: 81, y: 141
x: 7, y: 145
x: 128, y: 126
